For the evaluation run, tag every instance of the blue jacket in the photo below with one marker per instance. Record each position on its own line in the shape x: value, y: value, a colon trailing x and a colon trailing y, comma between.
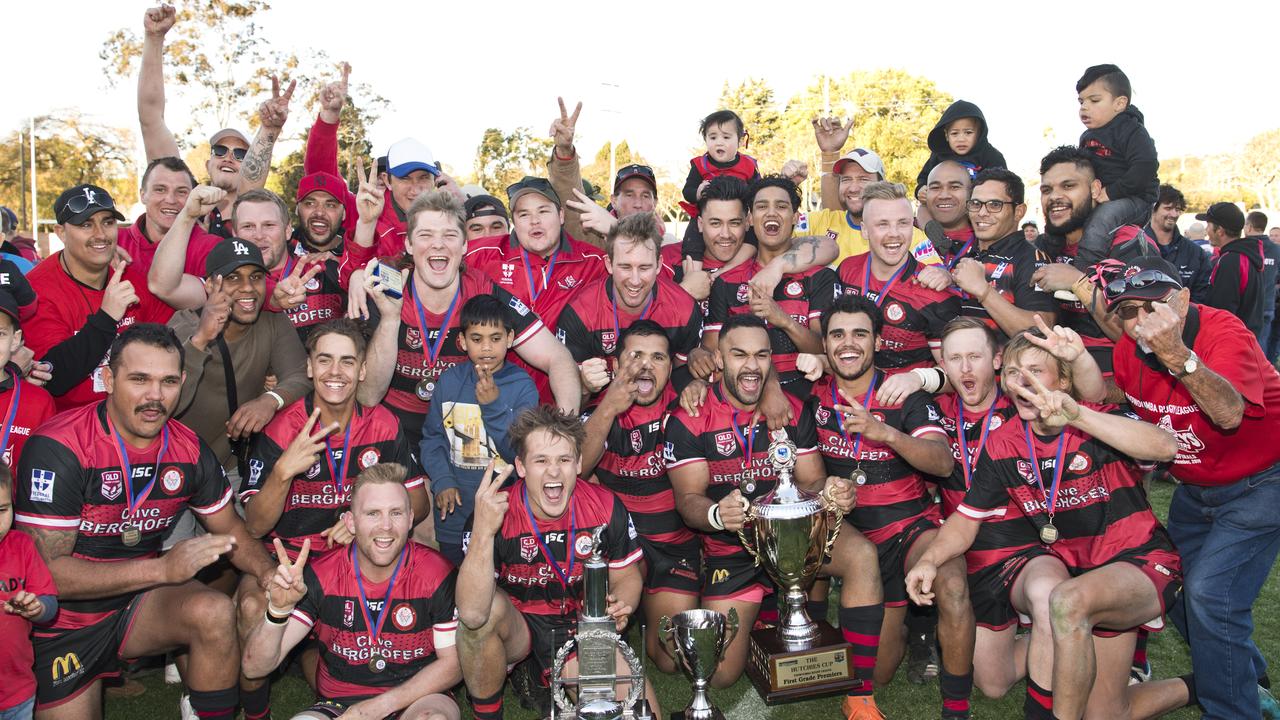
x: 459, y: 436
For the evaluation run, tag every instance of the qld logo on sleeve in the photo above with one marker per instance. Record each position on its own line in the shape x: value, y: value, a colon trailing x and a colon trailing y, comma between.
x: 112, y: 484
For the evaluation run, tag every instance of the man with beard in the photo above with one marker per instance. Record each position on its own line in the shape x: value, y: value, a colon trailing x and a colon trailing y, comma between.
x: 234, y: 165
x: 100, y: 487
x: 994, y: 277
x: 718, y: 463
x: 166, y: 183
x: 520, y: 584
x: 593, y: 322
x: 843, y: 178
x: 400, y: 659
x: 1192, y: 262
x: 624, y: 447
x: 89, y: 294
x: 884, y: 450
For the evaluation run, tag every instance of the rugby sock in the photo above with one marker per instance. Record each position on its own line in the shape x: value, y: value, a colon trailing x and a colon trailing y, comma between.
x: 489, y: 708
x: 1190, y: 681
x: 215, y: 704
x: 256, y: 702
x: 861, y: 628
x: 1038, y: 704
x: 955, y: 693
x: 768, y: 610
x: 1140, y: 650
x: 817, y: 609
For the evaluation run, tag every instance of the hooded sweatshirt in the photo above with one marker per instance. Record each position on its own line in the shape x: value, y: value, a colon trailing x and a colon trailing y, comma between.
x: 983, y: 155
x: 1124, y: 156
x: 1235, y: 285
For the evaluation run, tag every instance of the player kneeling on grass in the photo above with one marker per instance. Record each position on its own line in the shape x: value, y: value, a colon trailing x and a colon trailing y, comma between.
x: 382, y: 611
x: 520, y: 587
x: 1097, y: 564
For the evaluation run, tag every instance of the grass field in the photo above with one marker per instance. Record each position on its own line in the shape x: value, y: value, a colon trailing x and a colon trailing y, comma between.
x: 900, y: 700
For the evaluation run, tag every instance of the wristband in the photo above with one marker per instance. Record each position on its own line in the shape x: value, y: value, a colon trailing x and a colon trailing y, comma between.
x: 275, y: 396
x: 276, y: 619
x: 713, y: 517
x: 931, y: 379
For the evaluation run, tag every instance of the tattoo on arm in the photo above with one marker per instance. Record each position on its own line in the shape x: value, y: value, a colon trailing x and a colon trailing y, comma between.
x: 258, y: 160
x: 52, y: 544
x: 808, y: 244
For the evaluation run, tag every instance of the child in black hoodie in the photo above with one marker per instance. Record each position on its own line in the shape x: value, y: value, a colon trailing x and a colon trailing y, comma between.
x: 1124, y: 159
x: 961, y: 135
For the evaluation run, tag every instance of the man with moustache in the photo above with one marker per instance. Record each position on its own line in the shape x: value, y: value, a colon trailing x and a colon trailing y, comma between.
x: 718, y: 463
x: 624, y: 447
x: 101, y: 486
x: 1192, y: 262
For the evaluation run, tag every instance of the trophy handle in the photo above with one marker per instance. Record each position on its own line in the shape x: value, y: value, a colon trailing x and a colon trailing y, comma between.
x: 837, y: 519
x: 667, y: 636
x: 744, y: 537
x: 731, y: 629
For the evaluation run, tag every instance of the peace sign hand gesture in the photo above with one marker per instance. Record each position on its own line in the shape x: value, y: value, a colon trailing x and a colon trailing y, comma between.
x: 304, y: 450
x: 1057, y: 408
x: 274, y: 112
x: 491, y: 502
x: 1060, y: 342
x: 563, y: 127
x: 370, y: 195
x: 286, y: 588
x: 291, y: 291
x: 333, y: 96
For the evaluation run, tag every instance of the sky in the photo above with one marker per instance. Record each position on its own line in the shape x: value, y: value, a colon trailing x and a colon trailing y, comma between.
x: 648, y: 71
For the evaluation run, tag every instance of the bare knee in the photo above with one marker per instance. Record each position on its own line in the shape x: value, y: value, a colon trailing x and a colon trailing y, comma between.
x: 1068, y: 609
x: 952, y: 589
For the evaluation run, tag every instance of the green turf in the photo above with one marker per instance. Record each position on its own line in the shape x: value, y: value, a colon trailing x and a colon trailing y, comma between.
x: 900, y: 700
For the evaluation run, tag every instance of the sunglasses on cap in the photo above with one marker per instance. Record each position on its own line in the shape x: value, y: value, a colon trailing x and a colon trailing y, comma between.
x: 89, y: 198
x: 221, y: 151
x: 540, y: 185
x: 1137, y: 281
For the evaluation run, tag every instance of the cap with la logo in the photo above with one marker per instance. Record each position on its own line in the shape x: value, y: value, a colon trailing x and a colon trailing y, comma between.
x: 229, y: 255
x: 77, y: 204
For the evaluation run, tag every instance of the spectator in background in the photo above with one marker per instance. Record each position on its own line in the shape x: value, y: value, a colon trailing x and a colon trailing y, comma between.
x: 1196, y: 234
x: 20, y: 250
x: 1192, y: 263
x: 1235, y: 285
x: 1256, y: 230
x: 1030, y: 231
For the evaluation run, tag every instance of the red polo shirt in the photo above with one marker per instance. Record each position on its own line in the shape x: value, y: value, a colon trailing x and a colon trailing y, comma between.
x: 544, y: 284
x: 134, y: 240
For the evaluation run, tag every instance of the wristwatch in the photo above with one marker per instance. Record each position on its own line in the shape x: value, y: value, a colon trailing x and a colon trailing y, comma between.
x: 1190, y: 365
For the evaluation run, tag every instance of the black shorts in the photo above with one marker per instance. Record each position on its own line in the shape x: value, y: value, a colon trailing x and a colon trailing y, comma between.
x: 730, y: 576
x: 1159, y: 561
x: 672, y: 567
x: 69, y: 661
x: 989, y: 589
x: 893, y: 560
x: 547, y: 634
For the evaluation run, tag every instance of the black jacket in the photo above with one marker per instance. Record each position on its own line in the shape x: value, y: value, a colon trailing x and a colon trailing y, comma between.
x: 1236, y: 282
x: 1193, y: 263
x: 983, y: 155
x: 1124, y: 156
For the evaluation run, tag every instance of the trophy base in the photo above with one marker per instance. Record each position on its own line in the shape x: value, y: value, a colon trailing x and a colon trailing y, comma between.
x: 781, y: 674
x: 715, y: 715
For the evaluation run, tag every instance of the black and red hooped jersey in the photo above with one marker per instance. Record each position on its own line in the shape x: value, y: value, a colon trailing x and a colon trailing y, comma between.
x: 803, y: 296
x: 71, y: 479
x: 719, y: 438
x: 1010, y: 262
x: 422, y: 618
x: 913, y: 314
x: 1075, y: 314
x: 634, y: 468
x: 523, y: 570
x: 326, y: 298
x: 314, y: 500
x: 1101, y: 506
x: 589, y: 327
x: 894, y: 494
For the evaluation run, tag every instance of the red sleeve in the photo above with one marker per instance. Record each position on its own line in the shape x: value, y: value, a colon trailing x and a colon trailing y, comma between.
x: 1234, y: 354
x: 39, y: 581
x: 198, y: 247
x: 52, y: 324
x: 322, y: 149
x: 354, y: 257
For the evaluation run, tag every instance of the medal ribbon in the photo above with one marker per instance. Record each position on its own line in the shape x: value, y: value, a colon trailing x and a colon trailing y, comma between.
x: 866, y: 403
x: 644, y: 311
x: 431, y: 350
x: 13, y: 413
x: 966, y: 464
x: 548, y: 271
x: 340, y: 480
x: 964, y: 250
x: 1051, y: 497
x: 747, y: 443
x: 561, y: 575
x: 374, y: 626
x: 132, y: 502
x: 884, y: 289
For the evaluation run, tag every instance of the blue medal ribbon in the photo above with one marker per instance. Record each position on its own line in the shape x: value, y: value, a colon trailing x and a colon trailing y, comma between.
x: 548, y: 271
x: 888, y: 285
x: 866, y: 403
x: 134, y: 502
x: 431, y: 350
x: 373, y: 625
x: 561, y: 575
x: 1051, y: 497
x: 966, y: 464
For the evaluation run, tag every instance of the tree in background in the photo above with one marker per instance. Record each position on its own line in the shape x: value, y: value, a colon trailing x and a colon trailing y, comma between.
x: 754, y: 102
x: 504, y: 158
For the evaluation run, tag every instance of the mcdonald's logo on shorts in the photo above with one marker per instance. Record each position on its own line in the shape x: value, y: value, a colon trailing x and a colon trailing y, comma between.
x: 66, y: 667
x: 719, y: 575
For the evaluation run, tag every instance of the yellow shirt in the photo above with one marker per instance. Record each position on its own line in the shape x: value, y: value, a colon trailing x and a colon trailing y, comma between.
x: 838, y: 225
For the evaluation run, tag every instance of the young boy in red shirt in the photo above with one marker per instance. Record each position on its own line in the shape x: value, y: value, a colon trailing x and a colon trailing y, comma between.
x: 30, y: 596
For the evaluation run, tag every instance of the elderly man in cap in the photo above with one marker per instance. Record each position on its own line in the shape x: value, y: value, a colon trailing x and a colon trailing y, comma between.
x: 89, y: 292
x: 1198, y: 372
x: 1235, y: 283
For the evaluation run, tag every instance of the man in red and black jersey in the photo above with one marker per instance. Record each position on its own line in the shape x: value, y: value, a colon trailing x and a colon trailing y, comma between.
x: 101, y: 486
x: 381, y: 610
x: 624, y: 447
x: 90, y: 294
x: 796, y: 301
x: 26, y: 405
x: 717, y: 460
x: 995, y: 276
x: 1099, y: 564
x: 592, y: 324
x: 885, y: 450
x: 521, y: 584
x: 913, y: 314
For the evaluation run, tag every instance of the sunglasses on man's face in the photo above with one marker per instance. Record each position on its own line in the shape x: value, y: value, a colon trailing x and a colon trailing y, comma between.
x: 222, y: 150
x: 1129, y: 312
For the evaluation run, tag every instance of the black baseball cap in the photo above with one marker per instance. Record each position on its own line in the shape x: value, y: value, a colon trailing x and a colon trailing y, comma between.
x: 644, y: 172
x: 1225, y: 215
x: 9, y: 306
x: 484, y: 206
x: 231, y: 254
x: 529, y: 184
x: 79, y: 203
x: 1148, y: 277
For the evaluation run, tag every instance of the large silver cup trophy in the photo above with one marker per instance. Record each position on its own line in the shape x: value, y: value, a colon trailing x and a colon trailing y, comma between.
x: 790, y: 531
x: 697, y: 640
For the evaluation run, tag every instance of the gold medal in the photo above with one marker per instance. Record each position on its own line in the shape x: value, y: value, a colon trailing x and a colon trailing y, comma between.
x: 425, y: 390
x: 858, y: 476
x: 1048, y: 534
x: 377, y: 663
x: 130, y: 535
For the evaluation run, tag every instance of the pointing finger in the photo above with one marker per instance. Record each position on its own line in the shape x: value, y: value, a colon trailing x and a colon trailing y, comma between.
x: 346, y: 73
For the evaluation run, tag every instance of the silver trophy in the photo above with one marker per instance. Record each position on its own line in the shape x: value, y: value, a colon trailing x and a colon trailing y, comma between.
x: 697, y: 640
x: 598, y: 642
